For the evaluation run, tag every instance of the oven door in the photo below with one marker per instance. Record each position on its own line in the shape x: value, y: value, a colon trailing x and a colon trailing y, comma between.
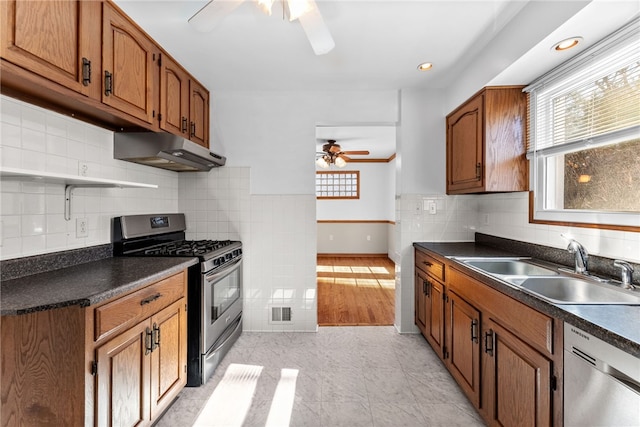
x: 221, y: 302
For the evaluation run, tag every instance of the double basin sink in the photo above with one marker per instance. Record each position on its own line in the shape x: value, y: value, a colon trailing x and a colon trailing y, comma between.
x: 549, y: 284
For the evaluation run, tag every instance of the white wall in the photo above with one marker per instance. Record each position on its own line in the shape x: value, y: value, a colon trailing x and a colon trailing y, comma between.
x: 376, y: 202
x: 32, y: 213
x: 274, y: 132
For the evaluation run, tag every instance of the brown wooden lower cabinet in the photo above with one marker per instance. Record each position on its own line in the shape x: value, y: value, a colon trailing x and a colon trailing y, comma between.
x: 463, y: 332
x: 517, y: 381
x: 505, y: 356
x: 59, y: 367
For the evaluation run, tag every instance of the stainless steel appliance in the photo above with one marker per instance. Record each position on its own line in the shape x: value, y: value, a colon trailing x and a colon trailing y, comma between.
x: 214, y: 297
x: 164, y: 150
x: 601, y: 382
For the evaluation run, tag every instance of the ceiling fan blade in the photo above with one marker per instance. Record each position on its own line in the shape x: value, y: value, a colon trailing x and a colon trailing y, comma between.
x: 346, y: 158
x: 357, y: 153
x: 316, y: 30
x: 212, y: 13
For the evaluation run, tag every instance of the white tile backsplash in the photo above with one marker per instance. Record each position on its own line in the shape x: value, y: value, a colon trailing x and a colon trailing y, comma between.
x: 32, y: 214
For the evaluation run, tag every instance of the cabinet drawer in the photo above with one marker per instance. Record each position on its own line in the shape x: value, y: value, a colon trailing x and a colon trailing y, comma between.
x: 430, y: 265
x: 531, y: 326
x: 127, y: 311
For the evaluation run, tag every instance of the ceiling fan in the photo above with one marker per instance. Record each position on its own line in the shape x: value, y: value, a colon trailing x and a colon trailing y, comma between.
x: 305, y: 11
x: 332, y: 154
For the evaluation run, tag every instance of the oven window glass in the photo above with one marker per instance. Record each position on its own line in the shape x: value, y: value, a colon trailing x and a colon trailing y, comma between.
x: 225, y: 292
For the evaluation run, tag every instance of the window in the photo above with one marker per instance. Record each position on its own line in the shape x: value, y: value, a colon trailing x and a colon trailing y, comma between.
x: 584, y: 141
x: 338, y: 185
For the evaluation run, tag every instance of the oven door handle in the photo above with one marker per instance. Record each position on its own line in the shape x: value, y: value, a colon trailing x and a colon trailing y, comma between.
x: 225, y: 271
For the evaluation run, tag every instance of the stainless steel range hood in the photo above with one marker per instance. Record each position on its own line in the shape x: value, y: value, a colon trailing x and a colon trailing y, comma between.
x: 164, y: 150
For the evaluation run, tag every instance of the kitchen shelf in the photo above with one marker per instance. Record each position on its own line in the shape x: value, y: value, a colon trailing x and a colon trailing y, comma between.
x: 69, y: 181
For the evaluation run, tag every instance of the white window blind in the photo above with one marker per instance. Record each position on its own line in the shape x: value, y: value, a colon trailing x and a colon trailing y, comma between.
x: 593, y: 99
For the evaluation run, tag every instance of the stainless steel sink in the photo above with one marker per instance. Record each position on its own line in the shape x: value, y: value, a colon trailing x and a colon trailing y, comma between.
x: 509, y: 267
x: 572, y: 290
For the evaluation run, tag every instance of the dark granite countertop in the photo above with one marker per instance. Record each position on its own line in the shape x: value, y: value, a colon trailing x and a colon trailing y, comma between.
x: 616, y: 324
x: 85, y: 284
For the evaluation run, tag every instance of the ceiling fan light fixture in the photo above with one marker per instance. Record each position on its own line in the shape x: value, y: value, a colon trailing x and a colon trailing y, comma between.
x: 297, y: 8
x: 322, y: 162
x: 340, y: 162
x: 265, y: 6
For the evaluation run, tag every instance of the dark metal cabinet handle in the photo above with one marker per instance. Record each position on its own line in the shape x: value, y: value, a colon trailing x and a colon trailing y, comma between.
x: 488, y: 342
x: 478, y: 170
x: 86, y: 71
x: 148, y: 345
x: 108, y: 83
x: 474, y: 330
x: 150, y: 299
x: 193, y: 129
x: 184, y: 124
x: 427, y: 263
x: 156, y: 337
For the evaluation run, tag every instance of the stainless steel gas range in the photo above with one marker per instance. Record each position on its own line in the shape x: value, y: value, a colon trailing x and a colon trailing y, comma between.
x: 214, y: 298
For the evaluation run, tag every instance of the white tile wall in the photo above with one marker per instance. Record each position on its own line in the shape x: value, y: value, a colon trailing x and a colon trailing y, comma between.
x: 32, y: 214
x: 282, y: 252
x: 507, y: 215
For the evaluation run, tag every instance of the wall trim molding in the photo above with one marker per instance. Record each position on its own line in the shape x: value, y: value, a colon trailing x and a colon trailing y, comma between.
x: 340, y: 255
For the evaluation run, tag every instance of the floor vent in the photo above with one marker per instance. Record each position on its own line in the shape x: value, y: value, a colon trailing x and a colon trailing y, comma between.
x: 280, y: 314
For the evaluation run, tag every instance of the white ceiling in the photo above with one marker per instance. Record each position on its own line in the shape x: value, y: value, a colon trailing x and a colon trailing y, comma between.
x: 379, y: 44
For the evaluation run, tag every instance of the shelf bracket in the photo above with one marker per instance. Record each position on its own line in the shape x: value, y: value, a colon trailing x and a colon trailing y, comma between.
x: 67, y: 201
x: 68, y: 192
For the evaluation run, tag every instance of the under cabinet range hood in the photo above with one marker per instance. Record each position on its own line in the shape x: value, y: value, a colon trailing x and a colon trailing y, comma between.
x: 164, y: 150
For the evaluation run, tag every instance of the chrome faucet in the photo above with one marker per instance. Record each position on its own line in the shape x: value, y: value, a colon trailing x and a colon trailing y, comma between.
x: 581, y: 256
x: 625, y: 274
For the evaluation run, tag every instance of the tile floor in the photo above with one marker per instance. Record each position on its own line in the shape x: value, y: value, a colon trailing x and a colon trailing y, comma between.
x: 339, y: 376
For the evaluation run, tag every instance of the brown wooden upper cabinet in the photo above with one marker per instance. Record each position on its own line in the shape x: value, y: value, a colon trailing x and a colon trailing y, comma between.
x: 184, y: 103
x: 87, y: 58
x: 58, y: 40
x: 129, y: 64
x: 174, y: 97
x: 486, y: 143
x: 199, y: 114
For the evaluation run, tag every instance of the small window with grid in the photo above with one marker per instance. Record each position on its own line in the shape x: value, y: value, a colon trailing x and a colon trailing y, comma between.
x: 338, y: 185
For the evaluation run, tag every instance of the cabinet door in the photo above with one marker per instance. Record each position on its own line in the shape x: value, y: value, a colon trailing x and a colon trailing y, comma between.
x: 54, y: 39
x: 123, y: 379
x: 174, y: 98
x: 465, y: 147
x: 199, y: 114
x: 463, y: 331
x: 517, y: 380
x: 435, y: 316
x: 128, y: 61
x: 421, y: 284
x: 169, y: 355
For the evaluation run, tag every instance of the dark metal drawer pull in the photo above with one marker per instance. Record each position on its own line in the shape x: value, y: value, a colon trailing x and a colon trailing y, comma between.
x: 150, y: 299
x: 488, y: 342
x: 86, y: 71
x: 108, y: 83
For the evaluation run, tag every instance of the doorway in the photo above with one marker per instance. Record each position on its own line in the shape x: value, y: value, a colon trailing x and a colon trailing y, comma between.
x: 355, y: 212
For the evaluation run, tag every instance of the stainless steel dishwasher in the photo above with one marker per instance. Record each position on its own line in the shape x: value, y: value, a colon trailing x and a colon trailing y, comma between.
x: 601, y: 382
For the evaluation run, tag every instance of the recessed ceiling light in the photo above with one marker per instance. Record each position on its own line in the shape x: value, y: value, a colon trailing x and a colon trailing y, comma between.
x: 567, y: 44
x: 425, y: 66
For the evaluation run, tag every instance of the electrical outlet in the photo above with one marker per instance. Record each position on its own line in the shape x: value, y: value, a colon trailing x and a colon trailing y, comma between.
x: 368, y: 237
x: 81, y: 227
x: 83, y: 169
x: 330, y: 236
x: 485, y: 219
x: 430, y: 206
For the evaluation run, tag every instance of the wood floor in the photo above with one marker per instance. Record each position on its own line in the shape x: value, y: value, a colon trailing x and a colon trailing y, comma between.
x: 355, y: 291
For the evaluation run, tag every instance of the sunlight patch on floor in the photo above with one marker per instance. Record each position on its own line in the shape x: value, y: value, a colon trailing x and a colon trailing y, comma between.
x: 283, y: 399
x: 230, y: 402
x: 379, y: 270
